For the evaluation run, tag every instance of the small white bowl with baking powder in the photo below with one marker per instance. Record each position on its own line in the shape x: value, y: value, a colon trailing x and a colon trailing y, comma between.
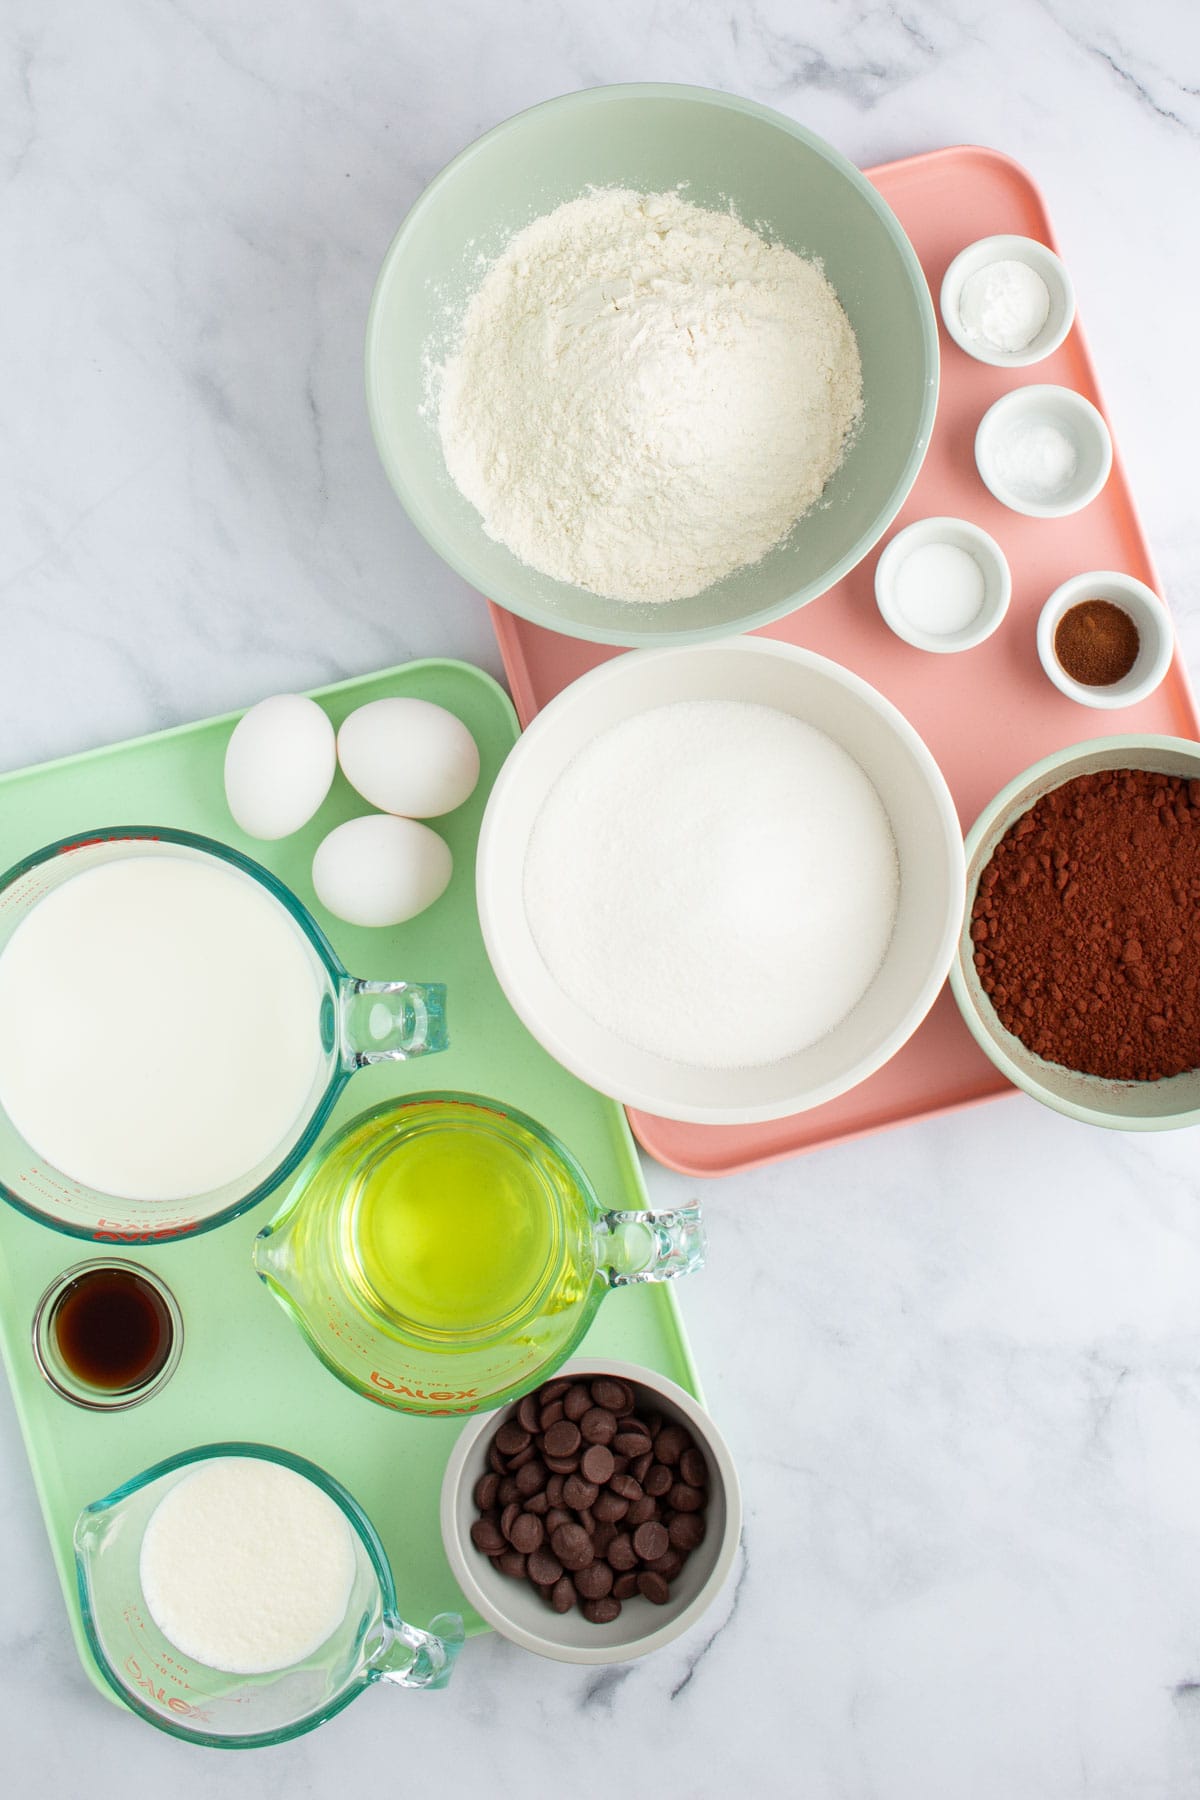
x: 1043, y: 451
x: 943, y: 585
x: 1007, y: 301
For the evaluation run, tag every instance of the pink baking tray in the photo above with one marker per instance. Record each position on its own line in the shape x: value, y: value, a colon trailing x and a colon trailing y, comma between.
x: 985, y: 713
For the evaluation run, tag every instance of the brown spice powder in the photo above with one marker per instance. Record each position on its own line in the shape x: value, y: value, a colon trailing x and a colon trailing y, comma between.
x: 1096, y: 642
x: 1086, y: 926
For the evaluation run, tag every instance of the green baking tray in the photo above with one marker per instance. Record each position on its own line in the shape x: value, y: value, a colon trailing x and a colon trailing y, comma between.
x: 245, y: 1372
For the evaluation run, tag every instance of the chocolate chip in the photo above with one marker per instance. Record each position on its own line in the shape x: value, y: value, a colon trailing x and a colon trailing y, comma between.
x: 527, y: 1534
x: 601, y: 1612
x: 671, y: 1443
x: 608, y: 1507
x: 512, y: 1438
x: 621, y: 1553
x: 562, y: 1594
x: 598, y: 1426
x: 531, y: 1477
x: 573, y: 1547
x: 659, y: 1480
x: 595, y: 1581
x: 597, y: 1464
x: 613, y: 1395
x: 544, y: 1568
x: 562, y: 1440
x: 654, y: 1588
x: 589, y: 1498
x: 487, y: 1536
x: 649, y: 1540
x: 578, y: 1493
x: 693, y: 1468
x: 686, y: 1531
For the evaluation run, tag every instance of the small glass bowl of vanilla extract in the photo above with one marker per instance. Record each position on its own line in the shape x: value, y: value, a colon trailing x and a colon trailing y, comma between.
x: 107, y: 1335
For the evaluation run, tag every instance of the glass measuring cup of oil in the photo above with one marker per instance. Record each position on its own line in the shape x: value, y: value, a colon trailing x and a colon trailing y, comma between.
x: 175, y: 1029
x: 444, y: 1253
x: 206, y: 1705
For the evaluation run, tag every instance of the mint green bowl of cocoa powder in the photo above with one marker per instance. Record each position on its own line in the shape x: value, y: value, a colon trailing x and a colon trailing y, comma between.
x: 1162, y: 1105
x: 723, y: 152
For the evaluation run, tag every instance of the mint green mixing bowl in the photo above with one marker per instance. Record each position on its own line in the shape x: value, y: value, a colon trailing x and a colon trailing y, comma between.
x: 723, y: 151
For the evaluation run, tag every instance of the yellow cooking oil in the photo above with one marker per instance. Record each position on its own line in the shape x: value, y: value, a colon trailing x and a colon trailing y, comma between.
x: 458, y: 1226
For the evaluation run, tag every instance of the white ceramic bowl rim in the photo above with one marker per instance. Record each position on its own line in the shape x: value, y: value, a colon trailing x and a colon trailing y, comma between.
x: 1143, y: 605
x: 944, y: 529
x: 1048, y: 397
x: 465, y: 1560
x: 1001, y: 247
x: 605, y: 1073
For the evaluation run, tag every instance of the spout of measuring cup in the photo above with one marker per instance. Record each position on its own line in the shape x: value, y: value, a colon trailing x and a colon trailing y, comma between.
x: 654, y: 1246
x: 390, y: 1021
x: 419, y: 1659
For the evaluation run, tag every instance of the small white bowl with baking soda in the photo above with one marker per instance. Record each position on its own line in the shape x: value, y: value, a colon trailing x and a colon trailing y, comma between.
x: 1007, y: 301
x: 521, y: 1610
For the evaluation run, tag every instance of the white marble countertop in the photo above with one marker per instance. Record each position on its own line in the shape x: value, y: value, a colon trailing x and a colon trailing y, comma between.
x: 968, y: 1416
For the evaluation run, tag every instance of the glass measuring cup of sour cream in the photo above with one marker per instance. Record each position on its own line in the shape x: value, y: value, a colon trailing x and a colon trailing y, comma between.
x: 174, y: 1032
x: 157, y: 1548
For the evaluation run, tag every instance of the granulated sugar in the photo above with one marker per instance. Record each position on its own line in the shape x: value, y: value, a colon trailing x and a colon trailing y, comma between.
x: 246, y: 1565
x: 713, y: 881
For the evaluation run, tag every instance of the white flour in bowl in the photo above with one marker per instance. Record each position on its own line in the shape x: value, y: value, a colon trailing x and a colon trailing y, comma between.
x: 713, y: 881
x: 646, y: 395
x: 246, y: 1565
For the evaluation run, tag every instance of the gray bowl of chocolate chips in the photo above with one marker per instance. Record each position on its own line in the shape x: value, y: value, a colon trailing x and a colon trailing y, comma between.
x: 596, y: 1519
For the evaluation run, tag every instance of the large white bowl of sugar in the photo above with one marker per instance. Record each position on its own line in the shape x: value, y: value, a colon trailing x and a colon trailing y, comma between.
x: 722, y: 883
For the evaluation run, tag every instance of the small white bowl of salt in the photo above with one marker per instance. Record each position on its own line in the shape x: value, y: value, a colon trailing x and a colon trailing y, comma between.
x: 1007, y: 301
x: 1043, y: 451
x: 943, y: 585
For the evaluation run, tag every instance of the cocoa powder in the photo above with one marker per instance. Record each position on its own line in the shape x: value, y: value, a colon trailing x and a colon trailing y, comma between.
x: 1086, y: 926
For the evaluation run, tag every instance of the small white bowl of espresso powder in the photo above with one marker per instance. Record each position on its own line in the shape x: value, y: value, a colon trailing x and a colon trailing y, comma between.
x: 720, y: 883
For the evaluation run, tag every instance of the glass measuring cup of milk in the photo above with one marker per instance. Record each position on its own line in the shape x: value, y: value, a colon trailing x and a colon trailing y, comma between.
x: 210, y: 1706
x: 444, y: 1253
x: 174, y: 1031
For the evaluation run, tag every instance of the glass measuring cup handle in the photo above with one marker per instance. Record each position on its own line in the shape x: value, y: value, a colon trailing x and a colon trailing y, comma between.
x: 653, y: 1246
x: 390, y: 1021
x: 418, y: 1659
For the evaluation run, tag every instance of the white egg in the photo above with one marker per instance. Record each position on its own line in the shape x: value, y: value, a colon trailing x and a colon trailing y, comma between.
x: 409, y: 757
x: 380, y: 870
x: 279, y: 765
